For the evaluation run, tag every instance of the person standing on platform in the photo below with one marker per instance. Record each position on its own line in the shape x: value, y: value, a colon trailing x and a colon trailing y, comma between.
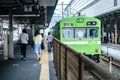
x: 105, y: 37
x: 113, y: 37
x: 109, y: 37
x: 37, y: 44
x: 50, y: 39
x: 24, y: 42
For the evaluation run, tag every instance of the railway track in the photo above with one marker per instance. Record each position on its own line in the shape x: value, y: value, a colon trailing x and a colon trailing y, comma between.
x: 109, y: 59
x: 111, y: 64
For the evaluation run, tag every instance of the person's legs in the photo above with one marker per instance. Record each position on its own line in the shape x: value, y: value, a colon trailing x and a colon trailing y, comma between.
x: 37, y: 51
x: 37, y: 56
x: 49, y: 47
x: 22, y: 51
x: 40, y: 51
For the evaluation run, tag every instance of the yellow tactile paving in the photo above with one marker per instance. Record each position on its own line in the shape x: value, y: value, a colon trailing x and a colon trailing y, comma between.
x: 44, y: 74
x: 44, y: 58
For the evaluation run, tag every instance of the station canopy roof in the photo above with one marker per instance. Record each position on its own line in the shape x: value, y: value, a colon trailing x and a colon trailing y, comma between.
x: 28, y: 11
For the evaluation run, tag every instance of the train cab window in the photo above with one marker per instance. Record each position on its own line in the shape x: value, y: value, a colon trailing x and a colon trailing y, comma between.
x: 92, y: 33
x: 68, y: 33
x: 80, y: 33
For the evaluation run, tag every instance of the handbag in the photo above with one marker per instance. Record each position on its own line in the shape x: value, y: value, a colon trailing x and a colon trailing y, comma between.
x: 19, y: 42
x: 52, y: 44
x: 42, y: 45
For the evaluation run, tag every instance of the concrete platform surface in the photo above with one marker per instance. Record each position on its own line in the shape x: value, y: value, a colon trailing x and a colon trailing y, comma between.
x: 30, y: 69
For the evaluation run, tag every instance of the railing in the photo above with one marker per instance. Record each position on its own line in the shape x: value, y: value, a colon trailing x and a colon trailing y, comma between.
x: 71, y: 65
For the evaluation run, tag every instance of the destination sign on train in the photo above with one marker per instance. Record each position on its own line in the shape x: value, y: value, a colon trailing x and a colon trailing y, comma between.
x: 68, y: 24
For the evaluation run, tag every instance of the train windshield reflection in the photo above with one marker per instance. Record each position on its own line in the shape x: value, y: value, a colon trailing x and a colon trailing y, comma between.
x: 80, y: 32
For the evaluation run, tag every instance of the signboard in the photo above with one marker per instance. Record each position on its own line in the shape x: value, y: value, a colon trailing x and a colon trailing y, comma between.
x: 68, y: 24
x: 28, y: 8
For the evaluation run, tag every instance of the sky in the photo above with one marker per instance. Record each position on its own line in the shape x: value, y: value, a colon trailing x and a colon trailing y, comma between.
x: 59, y: 5
x: 58, y: 12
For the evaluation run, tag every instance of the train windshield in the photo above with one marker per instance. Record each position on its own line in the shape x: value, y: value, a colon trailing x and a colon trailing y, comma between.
x: 92, y: 32
x: 80, y: 32
x: 68, y: 33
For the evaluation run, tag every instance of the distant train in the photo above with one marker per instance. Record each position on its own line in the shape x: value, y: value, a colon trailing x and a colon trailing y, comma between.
x: 80, y: 33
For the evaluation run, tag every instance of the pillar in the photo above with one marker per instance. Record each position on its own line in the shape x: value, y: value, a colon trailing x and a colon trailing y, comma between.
x: 5, y: 47
x: 10, y: 38
x: 116, y: 30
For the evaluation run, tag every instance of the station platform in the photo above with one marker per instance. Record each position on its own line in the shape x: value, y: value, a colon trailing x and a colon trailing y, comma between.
x: 111, y: 49
x: 30, y: 69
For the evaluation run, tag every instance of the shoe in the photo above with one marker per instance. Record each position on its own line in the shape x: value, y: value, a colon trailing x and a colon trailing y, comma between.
x: 39, y: 59
x: 21, y: 57
x: 24, y: 59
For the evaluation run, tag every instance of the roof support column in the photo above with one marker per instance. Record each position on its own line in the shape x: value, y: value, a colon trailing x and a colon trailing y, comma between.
x: 103, y: 27
x: 116, y: 31
x: 10, y: 38
x: 46, y: 23
x: 62, y: 11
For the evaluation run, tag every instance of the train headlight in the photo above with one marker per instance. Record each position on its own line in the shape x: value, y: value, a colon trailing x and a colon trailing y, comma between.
x: 96, y: 50
x: 91, y: 23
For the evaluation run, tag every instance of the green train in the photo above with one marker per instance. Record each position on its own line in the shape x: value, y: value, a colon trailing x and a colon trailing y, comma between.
x: 80, y: 33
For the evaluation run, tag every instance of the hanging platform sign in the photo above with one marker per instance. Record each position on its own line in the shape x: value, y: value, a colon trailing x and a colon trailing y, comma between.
x: 28, y: 8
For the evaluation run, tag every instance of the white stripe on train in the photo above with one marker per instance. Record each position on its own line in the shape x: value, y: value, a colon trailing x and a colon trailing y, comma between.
x: 83, y: 42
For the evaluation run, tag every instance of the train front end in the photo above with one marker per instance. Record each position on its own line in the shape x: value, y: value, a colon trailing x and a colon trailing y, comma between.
x: 82, y: 34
